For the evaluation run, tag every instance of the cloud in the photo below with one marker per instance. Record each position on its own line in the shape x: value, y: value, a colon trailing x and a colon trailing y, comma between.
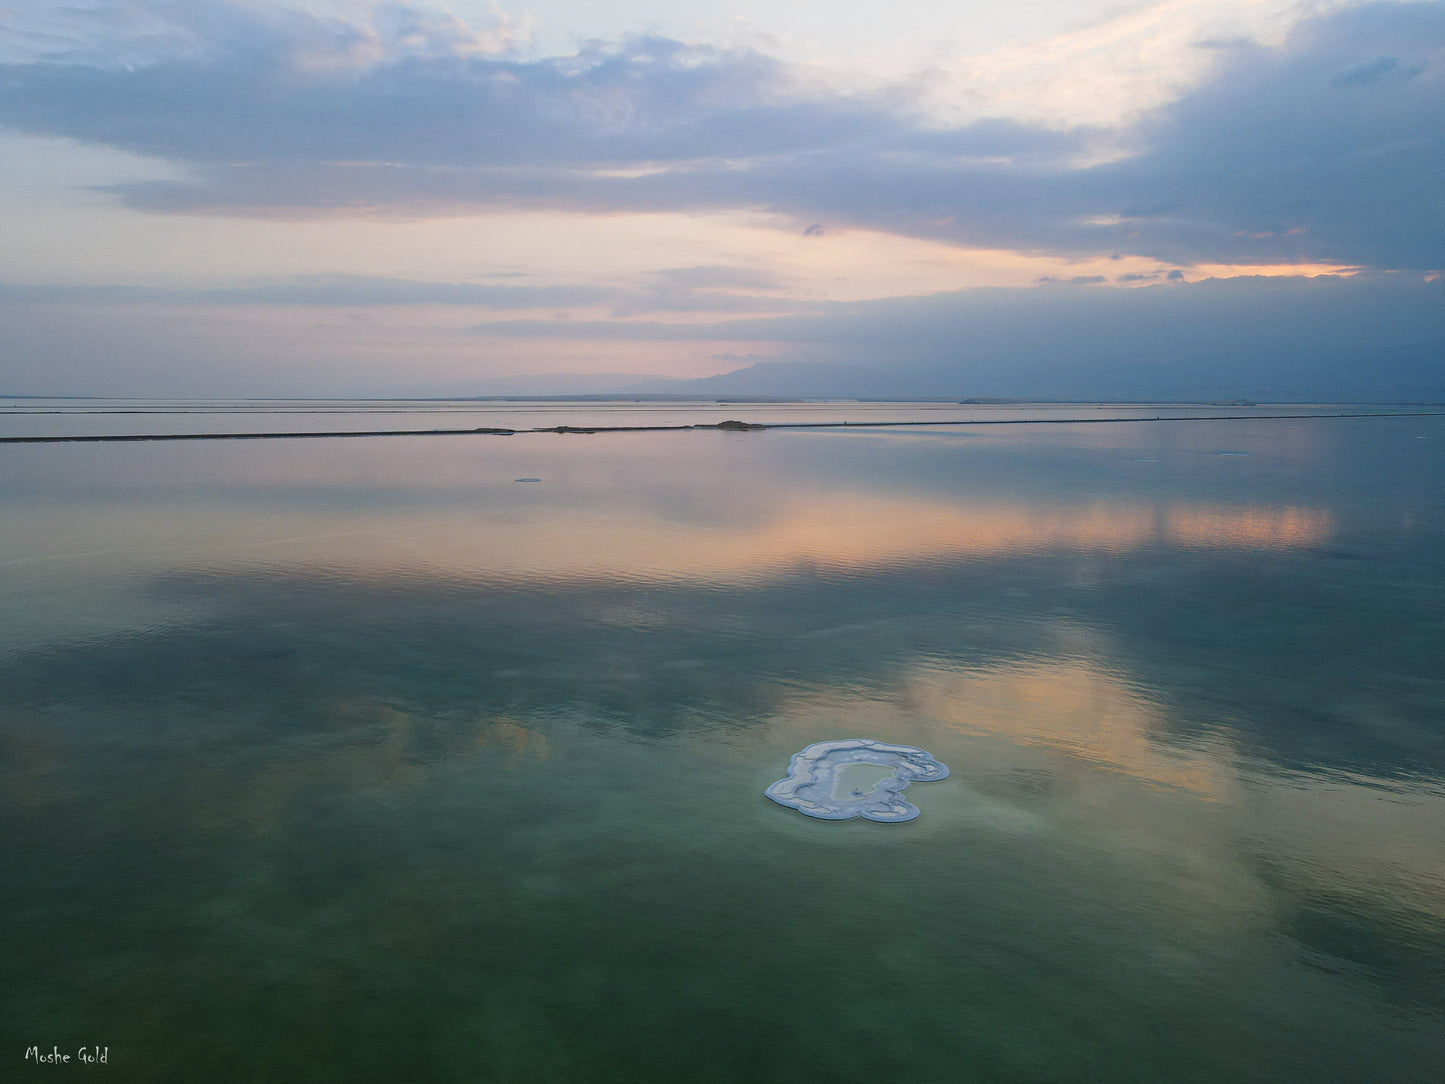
x: 1373, y: 337
x: 1325, y: 149
x: 322, y: 290
x: 301, y: 90
x: 1266, y: 338
x: 329, y: 36
x: 1366, y: 72
x: 718, y: 277
x: 709, y: 289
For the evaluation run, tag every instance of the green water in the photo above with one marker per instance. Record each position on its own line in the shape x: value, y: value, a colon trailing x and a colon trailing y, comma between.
x: 358, y: 760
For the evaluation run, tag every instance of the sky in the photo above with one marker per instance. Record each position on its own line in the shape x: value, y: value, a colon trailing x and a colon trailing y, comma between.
x: 1048, y: 198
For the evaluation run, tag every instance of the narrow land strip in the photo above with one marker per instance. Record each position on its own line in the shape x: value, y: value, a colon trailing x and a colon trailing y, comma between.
x: 727, y: 426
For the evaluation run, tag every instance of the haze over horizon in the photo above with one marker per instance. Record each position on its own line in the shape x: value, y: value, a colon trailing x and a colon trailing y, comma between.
x: 1066, y: 200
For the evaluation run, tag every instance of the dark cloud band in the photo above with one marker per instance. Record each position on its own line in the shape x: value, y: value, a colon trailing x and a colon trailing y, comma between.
x: 1327, y: 149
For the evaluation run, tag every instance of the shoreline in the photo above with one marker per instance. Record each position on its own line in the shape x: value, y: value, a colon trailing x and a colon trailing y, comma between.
x: 729, y: 426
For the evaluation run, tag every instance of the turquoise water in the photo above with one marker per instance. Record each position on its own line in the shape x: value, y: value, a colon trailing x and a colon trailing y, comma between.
x: 358, y: 760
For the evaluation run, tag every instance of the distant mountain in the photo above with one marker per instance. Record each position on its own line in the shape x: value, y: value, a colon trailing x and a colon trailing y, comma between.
x: 1372, y: 337
x: 550, y: 384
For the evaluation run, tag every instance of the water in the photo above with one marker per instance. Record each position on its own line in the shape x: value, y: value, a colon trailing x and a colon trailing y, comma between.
x: 358, y: 760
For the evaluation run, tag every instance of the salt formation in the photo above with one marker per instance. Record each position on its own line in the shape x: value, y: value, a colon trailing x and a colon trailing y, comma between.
x: 818, y: 780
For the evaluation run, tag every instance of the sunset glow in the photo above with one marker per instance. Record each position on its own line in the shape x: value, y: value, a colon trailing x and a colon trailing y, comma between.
x: 674, y: 166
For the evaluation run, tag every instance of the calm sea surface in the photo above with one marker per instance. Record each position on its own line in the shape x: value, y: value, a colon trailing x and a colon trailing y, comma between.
x: 362, y: 760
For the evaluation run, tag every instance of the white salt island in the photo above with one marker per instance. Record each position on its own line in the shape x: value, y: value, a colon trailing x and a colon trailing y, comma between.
x: 839, y: 780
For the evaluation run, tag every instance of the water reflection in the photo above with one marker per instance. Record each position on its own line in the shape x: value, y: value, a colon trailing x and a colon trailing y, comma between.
x: 369, y: 729
x: 854, y: 531
x: 1077, y: 707
x: 1071, y: 753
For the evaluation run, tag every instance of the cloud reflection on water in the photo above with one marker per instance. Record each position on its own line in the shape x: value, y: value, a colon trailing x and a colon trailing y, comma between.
x: 374, y: 691
x: 853, y: 531
x: 1076, y: 707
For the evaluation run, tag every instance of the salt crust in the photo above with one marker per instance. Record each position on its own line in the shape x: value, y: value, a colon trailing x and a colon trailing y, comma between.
x: 813, y: 775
